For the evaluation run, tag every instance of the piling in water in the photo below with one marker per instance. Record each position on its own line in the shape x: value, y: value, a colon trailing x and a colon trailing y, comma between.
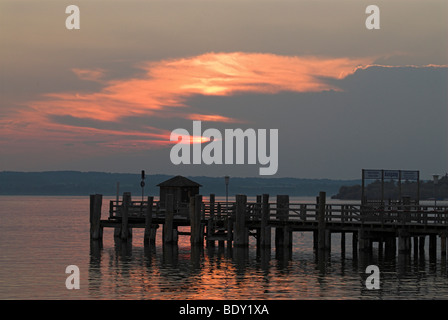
x: 96, y: 232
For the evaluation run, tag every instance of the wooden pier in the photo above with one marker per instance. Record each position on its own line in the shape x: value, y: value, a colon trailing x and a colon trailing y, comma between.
x: 234, y: 223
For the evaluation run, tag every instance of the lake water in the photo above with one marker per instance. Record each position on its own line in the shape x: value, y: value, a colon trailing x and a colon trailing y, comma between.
x: 41, y: 236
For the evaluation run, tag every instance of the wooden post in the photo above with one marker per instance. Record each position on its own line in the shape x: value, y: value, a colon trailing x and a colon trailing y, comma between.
x: 362, y: 240
x: 169, y: 215
x: 195, y: 217
x: 322, y: 241
x: 241, y: 232
x: 258, y: 240
x: 408, y: 244
x: 279, y: 231
x: 421, y: 245
x: 111, y: 208
x: 96, y: 201
x: 316, y: 232
x: 415, y: 246
x: 355, y: 243
x: 283, y: 234
x: 118, y: 213
x: 303, y: 212
x: 404, y: 242
x: 443, y: 244
x: 258, y: 206
x: 124, y: 222
x: 148, y: 221
x: 210, y: 221
x: 327, y: 239
x: 394, y: 245
x: 432, y: 245
x: 223, y: 221
x: 390, y: 246
x: 191, y: 209
x: 343, y: 242
x: 175, y: 236
x: 153, y: 234
x: 125, y: 234
x: 219, y: 210
x: 265, y: 230
x: 387, y: 246
x: 380, y: 246
x: 229, y: 231
x: 117, y: 195
x: 315, y: 239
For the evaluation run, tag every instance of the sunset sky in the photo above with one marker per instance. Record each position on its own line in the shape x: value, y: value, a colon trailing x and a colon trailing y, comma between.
x: 106, y: 97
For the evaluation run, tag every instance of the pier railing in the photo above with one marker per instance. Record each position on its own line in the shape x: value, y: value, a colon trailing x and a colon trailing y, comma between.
x: 296, y: 212
x: 417, y: 215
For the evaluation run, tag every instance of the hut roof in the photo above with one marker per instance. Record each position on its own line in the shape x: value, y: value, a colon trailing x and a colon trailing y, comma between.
x: 179, y: 181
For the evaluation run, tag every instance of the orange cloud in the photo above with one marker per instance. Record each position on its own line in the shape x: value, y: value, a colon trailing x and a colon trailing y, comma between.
x: 163, y: 89
x: 169, y: 83
x: 212, y: 118
x: 229, y: 73
x: 89, y: 74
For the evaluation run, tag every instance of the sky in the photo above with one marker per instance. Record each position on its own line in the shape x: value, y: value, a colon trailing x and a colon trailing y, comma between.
x: 106, y: 97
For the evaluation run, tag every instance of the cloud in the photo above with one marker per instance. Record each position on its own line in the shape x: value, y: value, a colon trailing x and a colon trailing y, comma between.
x: 89, y: 74
x: 213, y: 118
x: 385, y: 113
x: 168, y: 83
x: 230, y: 73
x: 161, y: 91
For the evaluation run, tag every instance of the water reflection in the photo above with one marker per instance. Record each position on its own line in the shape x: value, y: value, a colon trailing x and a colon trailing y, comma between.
x: 219, y: 272
x: 32, y: 266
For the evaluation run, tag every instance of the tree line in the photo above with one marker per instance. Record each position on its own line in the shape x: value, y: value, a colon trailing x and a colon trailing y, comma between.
x: 428, y: 190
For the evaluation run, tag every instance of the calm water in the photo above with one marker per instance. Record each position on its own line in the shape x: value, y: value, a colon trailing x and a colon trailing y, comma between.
x: 41, y: 236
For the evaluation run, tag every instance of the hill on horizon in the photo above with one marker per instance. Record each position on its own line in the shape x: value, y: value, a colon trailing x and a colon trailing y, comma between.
x: 85, y: 183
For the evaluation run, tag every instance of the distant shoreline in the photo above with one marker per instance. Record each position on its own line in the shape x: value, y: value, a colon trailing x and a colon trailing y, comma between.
x: 77, y: 183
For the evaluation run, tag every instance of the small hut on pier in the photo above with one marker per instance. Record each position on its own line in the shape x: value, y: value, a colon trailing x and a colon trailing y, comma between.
x: 181, y: 188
